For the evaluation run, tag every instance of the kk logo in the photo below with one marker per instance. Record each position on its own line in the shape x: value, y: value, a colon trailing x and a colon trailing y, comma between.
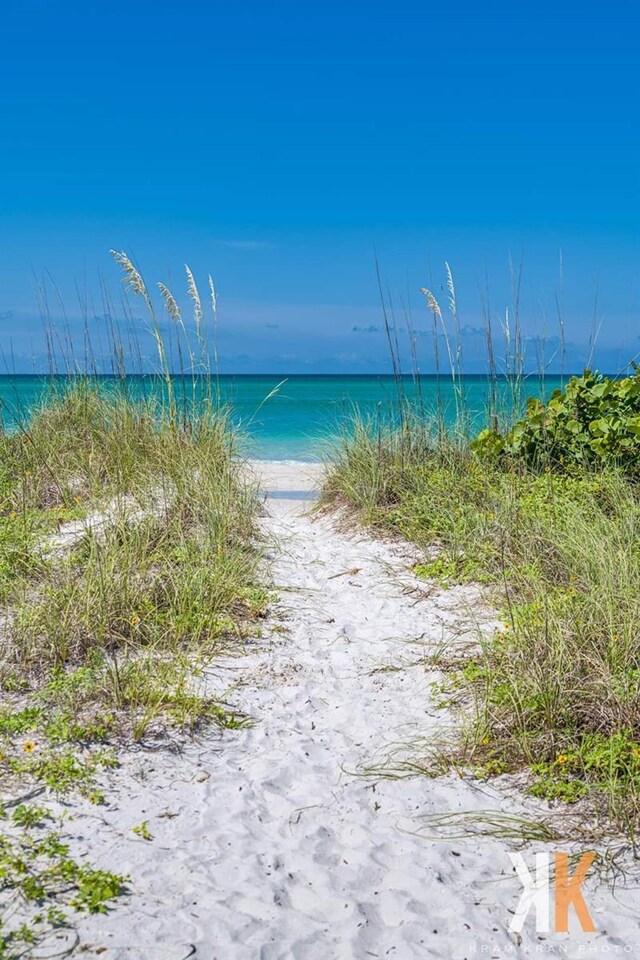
x: 566, y: 893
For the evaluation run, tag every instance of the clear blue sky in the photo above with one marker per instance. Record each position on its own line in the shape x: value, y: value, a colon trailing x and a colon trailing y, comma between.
x: 277, y: 144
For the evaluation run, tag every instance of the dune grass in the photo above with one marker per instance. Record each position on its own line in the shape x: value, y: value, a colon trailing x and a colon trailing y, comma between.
x: 556, y: 691
x: 132, y: 540
x: 129, y: 559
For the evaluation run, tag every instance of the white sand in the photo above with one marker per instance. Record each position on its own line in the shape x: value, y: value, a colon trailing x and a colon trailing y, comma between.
x: 267, y: 843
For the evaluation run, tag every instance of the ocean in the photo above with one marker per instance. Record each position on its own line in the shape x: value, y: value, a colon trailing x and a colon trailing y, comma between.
x: 297, y: 417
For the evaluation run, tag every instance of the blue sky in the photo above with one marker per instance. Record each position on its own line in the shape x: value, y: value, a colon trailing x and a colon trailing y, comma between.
x: 278, y: 145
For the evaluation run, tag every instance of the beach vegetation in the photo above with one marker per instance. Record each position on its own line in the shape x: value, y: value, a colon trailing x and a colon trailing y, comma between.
x: 129, y: 561
x: 142, y: 830
x: 544, y: 512
x: 43, y: 886
x: 594, y: 422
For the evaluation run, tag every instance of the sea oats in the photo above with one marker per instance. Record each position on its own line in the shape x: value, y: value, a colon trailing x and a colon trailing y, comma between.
x: 214, y: 309
x: 170, y: 303
x: 214, y: 296
x: 174, y: 312
x: 452, y: 289
x: 132, y: 277
x: 432, y: 303
x: 192, y: 290
x: 434, y: 306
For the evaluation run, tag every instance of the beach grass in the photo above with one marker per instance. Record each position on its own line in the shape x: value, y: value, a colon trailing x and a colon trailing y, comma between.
x: 163, y: 557
x: 130, y: 560
x: 556, y: 690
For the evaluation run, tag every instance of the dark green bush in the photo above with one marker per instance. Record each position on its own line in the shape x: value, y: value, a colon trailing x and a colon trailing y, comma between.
x: 594, y: 422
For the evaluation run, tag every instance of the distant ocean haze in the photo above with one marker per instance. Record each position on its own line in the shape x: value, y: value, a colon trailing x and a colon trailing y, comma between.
x: 297, y: 417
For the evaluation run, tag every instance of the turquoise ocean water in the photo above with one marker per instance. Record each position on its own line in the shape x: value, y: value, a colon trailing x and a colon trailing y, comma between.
x: 303, y: 413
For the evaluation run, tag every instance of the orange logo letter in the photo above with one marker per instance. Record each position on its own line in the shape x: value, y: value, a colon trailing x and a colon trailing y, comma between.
x: 568, y: 892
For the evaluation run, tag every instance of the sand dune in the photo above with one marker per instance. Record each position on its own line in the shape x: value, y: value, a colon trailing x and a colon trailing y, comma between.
x: 269, y: 843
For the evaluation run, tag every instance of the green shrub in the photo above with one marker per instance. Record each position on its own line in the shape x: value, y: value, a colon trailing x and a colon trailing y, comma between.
x: 595, y: 422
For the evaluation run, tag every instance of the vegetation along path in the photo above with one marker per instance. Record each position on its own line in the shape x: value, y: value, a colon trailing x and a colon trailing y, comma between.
x: 290, y: 839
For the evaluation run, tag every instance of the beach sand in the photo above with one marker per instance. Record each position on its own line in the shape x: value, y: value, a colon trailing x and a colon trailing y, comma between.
x: 272, y: 843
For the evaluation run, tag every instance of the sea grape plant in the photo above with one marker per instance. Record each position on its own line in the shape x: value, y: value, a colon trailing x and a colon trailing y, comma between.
x: 595, y: 422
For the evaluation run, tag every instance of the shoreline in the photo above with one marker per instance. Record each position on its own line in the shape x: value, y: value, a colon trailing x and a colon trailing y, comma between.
x: 284, y: 475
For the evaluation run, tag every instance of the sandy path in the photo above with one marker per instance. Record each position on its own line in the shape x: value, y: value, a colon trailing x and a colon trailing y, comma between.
x: 266, y: 844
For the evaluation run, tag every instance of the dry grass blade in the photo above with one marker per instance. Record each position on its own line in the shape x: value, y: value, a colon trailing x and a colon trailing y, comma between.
x: 492, y: 824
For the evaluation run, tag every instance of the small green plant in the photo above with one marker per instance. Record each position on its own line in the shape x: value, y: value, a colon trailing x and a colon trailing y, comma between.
x: 63, y: 771
x: 43, y: 881
x: 447, y: 569
x: 142, y: 830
